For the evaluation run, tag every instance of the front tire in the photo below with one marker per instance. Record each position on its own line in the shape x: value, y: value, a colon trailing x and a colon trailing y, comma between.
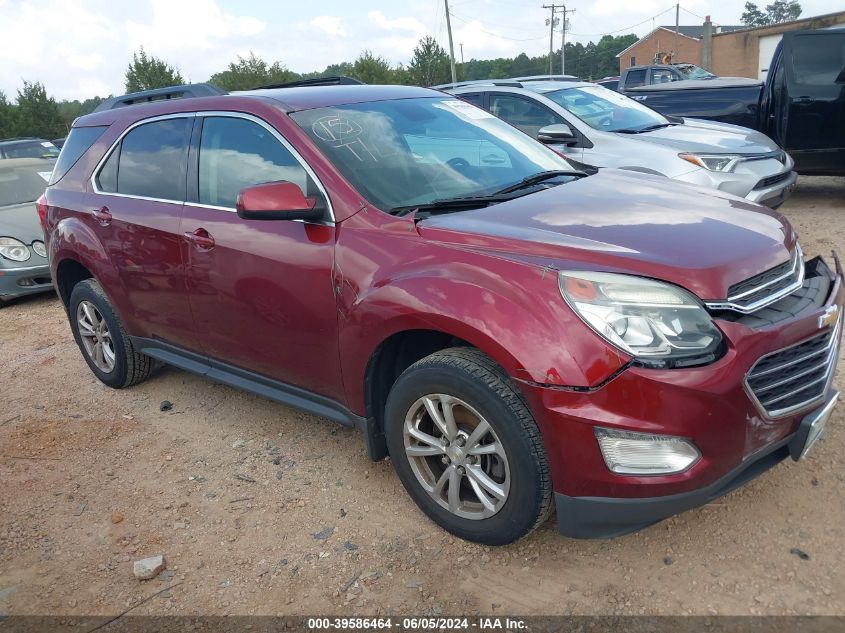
x: 102, y: 340
x: 466, y: 447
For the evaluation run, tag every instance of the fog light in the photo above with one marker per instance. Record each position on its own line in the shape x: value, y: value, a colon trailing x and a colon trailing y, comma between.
x: 629, y: 453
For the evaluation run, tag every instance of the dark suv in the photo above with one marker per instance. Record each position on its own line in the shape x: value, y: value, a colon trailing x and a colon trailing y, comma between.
x: 515, y: 334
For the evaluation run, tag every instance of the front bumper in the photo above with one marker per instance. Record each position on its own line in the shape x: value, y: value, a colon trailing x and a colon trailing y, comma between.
x: 25, y: 280
x: 708, y: 405
x: 749, y: 180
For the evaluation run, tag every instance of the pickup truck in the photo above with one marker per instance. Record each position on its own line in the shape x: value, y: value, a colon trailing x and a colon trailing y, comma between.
x: 801, y: 104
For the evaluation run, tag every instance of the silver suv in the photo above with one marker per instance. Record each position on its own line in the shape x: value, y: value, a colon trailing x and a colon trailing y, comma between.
x: 598, y: 127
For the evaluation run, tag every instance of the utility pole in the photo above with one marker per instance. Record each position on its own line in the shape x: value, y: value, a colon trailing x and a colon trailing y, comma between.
x: 675, y: 45
x: 451, y: 46
x: 552, y: 21
x: 563, y: 40
x: 462, y: 53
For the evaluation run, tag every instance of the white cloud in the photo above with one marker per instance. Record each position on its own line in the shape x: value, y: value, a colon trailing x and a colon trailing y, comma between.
x: 404, y: 23
x: 328, y: 24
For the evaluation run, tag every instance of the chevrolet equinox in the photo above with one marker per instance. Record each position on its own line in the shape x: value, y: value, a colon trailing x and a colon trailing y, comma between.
x: 516, y: 335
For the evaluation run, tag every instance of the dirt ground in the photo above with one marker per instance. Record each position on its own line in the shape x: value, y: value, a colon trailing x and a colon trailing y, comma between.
x: 260, y: 509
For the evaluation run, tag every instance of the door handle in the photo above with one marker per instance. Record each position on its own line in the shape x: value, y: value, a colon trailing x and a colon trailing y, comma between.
x: 102, y: 215
x: 201, y: 239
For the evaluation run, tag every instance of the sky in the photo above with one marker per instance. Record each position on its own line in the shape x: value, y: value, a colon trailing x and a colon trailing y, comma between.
x: 81, y: 48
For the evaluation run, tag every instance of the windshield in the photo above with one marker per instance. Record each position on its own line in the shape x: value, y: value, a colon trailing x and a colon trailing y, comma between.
x: 409, y: 152
x: 22, y: 184
x: 33, y: 149
x: 605, y: 110
x: 691, y: 71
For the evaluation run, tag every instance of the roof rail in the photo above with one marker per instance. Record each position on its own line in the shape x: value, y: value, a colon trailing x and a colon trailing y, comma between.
x: 510, y: 83
x: 547, y: 78
x: 315, y: 81
x: 158, y: 94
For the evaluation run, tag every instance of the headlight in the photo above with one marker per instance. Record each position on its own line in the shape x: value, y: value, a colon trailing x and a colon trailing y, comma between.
x: 659, y: 324
x: 13, y: 249
x: 629, y: 453
x: 713, y: 162
x: 39, y: 248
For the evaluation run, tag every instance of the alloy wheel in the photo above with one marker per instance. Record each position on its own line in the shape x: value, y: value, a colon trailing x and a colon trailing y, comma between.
x: 456, y: 456
x: 95, y: 335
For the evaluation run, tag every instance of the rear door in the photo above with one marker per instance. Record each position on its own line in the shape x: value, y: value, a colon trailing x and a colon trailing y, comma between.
x: 812, y: 100
x: 136, y: 207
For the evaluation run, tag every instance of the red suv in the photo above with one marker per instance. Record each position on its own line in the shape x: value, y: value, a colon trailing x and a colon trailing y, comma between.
x: 516, y: 335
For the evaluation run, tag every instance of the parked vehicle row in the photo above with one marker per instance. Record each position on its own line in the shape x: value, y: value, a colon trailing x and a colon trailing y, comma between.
x: 519, y: 335
x: 801, y: 105
x: 28, y: 148
x: 24, y: 268
x: 597, y: 127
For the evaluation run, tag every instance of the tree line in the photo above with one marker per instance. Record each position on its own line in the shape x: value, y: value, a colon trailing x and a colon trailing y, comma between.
x: 35, y: 113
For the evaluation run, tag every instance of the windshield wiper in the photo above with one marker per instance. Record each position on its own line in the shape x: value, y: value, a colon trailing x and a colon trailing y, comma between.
x: 540, y: 177
x: 464, y: 203
x: 647, y: 128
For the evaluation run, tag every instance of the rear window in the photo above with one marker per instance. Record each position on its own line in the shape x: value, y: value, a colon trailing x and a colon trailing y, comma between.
x: 635, y: 78
x: 22, y: 184
x: 150, y: 161
x: 78, y: 142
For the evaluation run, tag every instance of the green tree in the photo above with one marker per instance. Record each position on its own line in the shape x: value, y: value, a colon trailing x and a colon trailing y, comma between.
x: 430, y: 64
x: 36, y: 113
x: 372, y: 69
x: 147, y: 72
x: 775, y: 13
x: 251, y: 72
x: 7, y: 117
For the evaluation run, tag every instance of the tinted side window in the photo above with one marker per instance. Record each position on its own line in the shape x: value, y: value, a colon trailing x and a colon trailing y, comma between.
x: 77, y: 143
x: 474, y: 98
x: 236, y: 153
x: 107, y: 178
x: 661, y: 75
x: 525, y: 114
x: 818, y: 59
x: 153, y: 159
x: 635, y: 78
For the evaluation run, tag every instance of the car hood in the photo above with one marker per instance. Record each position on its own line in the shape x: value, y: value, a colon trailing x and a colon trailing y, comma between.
x: 699, y: 136
x: 20, y: 221
x: 620, y: 221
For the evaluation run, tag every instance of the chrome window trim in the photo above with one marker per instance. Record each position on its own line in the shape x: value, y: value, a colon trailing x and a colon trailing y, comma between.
x: 729, y: 303
x: 93, y: 180
x: 210, y: 113
x: 297, y: 156
x: 832, y: 350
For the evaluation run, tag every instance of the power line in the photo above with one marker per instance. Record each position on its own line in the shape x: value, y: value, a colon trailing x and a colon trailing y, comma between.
x: 627, y: 28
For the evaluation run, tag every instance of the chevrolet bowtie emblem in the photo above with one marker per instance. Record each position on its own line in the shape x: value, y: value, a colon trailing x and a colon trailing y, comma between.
x: 829, y: 317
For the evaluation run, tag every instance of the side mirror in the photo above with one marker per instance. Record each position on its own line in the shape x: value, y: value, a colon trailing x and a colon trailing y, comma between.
x: 557, y: 133
x: 281, y: 200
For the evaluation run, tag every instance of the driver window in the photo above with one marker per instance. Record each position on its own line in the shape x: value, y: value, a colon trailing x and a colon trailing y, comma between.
x: 236, y: 153
x: 661, y: 76
x: 525, y: 114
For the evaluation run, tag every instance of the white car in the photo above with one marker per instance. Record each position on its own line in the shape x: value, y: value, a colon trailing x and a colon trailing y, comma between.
x: 597, y: 127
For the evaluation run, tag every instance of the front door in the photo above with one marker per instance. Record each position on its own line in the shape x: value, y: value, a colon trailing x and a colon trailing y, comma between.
x: 261, y: 291
x: 135, y: 212
x: 814, y: 129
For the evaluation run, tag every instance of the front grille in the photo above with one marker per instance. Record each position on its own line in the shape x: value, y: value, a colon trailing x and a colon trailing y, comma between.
x: 795, y: 377
x: 764, y: 288
x: 772, y: 180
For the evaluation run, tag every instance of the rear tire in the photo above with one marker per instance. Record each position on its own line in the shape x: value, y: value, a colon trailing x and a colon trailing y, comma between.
x: 490, y: 487
x: 104, y: 344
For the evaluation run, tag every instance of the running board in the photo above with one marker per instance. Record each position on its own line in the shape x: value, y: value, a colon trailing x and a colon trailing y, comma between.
x: 249, y: 381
